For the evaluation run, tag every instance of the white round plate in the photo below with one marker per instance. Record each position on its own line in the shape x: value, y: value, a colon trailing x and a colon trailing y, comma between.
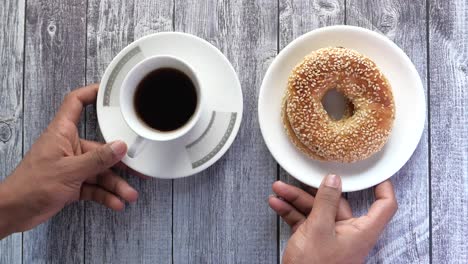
x: 409, y: 97
x: 212, y: 135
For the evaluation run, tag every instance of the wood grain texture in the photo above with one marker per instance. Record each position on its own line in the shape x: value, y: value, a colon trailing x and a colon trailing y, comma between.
x: 406, y: 238
x: 54, y: 65
x: 405, y: 24
x: 449, y: 127
x: 11, y: 104
x: 142, y: 233
x: 298, y: 17
x: 221, y: 215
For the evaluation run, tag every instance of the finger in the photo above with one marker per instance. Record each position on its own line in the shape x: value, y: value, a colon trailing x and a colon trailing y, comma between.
x: 88, y: 145
x: 94, y: 193
x: 326, y: 203
x: 344, y: 210
x: 382, y: 210
x: 75, y: 101
x: 288, y: 213
x: 294, y: 196
x: 100, y: 159
x: 303, y: 201
x: 309, y: 189
x: 117, y: 185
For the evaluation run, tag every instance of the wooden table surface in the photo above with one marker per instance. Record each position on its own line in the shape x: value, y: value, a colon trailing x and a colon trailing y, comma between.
x: 48, y: 48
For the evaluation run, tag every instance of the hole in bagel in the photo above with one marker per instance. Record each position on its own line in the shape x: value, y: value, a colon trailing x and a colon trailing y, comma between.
x: 337, y: 105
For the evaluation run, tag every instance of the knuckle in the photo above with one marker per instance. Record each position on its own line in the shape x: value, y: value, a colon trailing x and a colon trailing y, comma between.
x: 62, y: 128
x: 70, y: 96
x: 65, y: 129
x: 329, y: 198
x: 117, y: 185
x: 295, y: 198
x: 316, y: 228
x: 99, y: 158
x: 285, y: 213
x: 393, y: 205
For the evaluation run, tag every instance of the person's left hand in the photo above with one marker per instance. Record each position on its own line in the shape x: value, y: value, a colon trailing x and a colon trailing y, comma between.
x: 61, y: 168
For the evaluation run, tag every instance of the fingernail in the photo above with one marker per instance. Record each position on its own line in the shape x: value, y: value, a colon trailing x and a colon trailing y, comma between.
x: 280, y: 183
x: 332, y: 181
x: 134, y: 197
x: 119, y: 148
x: 270, y: 196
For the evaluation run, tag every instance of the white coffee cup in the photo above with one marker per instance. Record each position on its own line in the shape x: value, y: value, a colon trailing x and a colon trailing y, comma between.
x: 127, y: 93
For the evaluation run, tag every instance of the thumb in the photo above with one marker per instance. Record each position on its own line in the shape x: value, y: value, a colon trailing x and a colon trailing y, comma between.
x: 100, y: 159
x: 326, y: 203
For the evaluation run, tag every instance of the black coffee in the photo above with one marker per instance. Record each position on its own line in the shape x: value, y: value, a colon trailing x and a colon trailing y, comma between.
x: 165, y: 99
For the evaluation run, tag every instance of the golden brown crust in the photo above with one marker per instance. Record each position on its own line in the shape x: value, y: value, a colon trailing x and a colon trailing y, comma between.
x: 292, y: 135
x: 352, y: 138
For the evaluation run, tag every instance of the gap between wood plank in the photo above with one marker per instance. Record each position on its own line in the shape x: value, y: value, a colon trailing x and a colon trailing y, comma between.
x: 85, y: 120
x: 428, y: 99
x: 22, y: 107
x: 172, y: 181
x: 278, y: 233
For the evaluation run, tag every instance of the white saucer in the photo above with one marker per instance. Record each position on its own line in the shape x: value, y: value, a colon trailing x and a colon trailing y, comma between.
x: 409, y: 102
x: 218, y: 125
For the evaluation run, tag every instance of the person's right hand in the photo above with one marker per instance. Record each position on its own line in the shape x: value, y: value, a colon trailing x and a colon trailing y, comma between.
x: 324, y: 229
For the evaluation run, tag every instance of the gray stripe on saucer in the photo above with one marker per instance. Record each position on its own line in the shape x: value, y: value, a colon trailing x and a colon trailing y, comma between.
x: 115, y: 72
x: 210, y: 124
x: 220, y: 145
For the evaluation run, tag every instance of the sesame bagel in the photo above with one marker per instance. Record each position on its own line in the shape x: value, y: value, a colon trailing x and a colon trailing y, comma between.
x: 367, y: 122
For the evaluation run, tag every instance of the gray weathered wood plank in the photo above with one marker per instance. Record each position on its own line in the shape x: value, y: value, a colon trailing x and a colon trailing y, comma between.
x: 11, y: 104
x: 54, y: 65
x: 142, y: 233
x: 406, y: 26
x: 406, y: 238
x: 298, y: 17
x: 221, y: 215
x: 449, y: 129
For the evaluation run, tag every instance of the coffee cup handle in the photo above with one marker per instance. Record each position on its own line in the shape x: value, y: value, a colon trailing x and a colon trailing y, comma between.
x: 136, y: 147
